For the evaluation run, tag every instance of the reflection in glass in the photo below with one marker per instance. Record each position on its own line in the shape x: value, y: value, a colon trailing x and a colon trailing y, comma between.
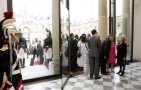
x: 64, y: 40
x: 64, y: 48
x: 123, y: 23
x: 48, y: 48
x: 35, y: 46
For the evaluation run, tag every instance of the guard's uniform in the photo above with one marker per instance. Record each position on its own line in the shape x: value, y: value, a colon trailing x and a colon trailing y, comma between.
x: 10, y: 74
x: 5, y: 78
x: 22, y: 47
x: 48, y: 48
x: 48, y: 52
x: 21, y: 52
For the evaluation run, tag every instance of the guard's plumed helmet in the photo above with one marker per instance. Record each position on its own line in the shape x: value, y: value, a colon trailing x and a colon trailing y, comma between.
x: 7, y: 27
x: 48, y: 32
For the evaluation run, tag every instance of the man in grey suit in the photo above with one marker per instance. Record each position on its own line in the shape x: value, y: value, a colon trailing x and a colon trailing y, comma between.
x: 94, y: 54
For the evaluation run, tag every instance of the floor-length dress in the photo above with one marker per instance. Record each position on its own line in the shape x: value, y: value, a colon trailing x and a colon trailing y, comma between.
x: 64, y: 58
x: 80, y: 59
x: 85, y: 58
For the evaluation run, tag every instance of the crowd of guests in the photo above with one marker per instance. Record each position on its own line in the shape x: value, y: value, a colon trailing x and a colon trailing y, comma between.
x: 40, y: 52
x: 89, y: 54
x: 85, y: 53
x: 34, y: 50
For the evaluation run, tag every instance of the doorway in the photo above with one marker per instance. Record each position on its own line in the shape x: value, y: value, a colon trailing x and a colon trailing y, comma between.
x: 34, y: 19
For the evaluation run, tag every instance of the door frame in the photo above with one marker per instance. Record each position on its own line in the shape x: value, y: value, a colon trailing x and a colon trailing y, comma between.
x: 112, y: 22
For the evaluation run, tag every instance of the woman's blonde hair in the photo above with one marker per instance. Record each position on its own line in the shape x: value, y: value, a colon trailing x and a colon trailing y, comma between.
x: 123, y: 37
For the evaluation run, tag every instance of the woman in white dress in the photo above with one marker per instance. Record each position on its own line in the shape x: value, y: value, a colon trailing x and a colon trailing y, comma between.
x: 79, y: 59
x: 85, y: 55
x: 64, y: 47
x: 64, y: 58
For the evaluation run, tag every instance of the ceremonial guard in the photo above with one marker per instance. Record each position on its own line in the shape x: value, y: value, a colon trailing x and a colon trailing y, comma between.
x: 22, y: 49
x: 10, y: 74
x: 48, y: 48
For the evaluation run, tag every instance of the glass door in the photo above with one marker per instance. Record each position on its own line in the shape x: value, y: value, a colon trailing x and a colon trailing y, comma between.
x: 120, y: 22
x: 65, y: 31
x: 34, y: 19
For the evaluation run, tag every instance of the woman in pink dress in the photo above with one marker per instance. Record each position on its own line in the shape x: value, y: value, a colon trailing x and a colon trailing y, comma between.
x: 112, y: 57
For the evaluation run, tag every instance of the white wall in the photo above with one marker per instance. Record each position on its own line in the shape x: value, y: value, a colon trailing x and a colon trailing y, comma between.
x: 3, y: 8
x: 137, y: 31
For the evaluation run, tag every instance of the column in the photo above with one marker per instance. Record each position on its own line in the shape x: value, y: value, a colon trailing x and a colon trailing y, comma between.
x: 54, y: 66
x: 102, y: 18
x: 137, y: 31
x: 126, y: 24
x: 3, y: 8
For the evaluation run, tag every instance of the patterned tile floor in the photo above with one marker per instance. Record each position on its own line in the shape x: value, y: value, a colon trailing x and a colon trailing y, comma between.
x: 130, y: 81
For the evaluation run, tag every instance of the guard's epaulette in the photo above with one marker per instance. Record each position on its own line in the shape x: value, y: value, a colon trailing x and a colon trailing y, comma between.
x: 4, y: 47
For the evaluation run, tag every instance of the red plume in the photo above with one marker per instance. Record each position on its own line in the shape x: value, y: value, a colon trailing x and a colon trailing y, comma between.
x: 8, y: 15
x: 46, y: 30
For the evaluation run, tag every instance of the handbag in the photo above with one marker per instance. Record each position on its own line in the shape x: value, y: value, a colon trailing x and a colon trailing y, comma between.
x: 79, y: 52
x: 66, y: 53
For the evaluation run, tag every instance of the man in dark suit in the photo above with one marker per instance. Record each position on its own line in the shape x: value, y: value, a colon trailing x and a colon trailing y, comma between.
x: 105, y: 49
x: 94, y: 46
x: 40, y: 52
x: 73, y: 51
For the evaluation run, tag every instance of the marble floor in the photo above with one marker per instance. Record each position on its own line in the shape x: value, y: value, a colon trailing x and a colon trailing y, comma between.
x: 35, y: 71
x: 130, y: 81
